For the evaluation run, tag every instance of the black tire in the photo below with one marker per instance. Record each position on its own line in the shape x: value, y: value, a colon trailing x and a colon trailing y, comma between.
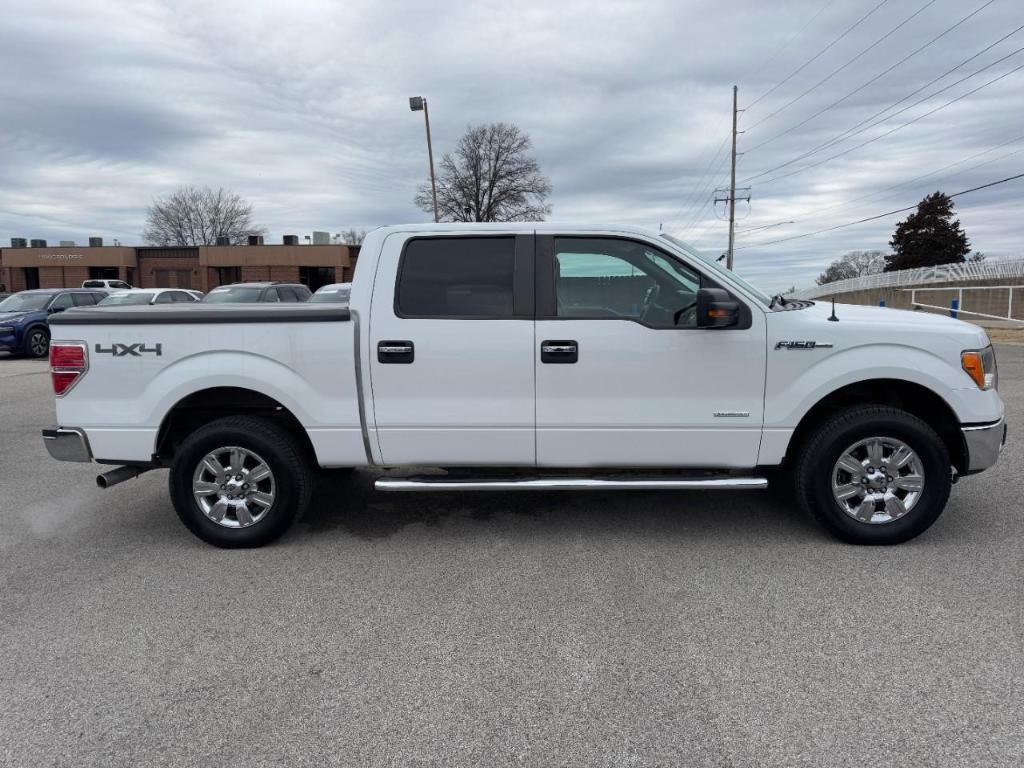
x: 816, y: 460
x: 37, y: 342
x: 289, y: 462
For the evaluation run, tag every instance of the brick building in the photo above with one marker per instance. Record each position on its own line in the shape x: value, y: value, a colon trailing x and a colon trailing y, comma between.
x: 200, y: 268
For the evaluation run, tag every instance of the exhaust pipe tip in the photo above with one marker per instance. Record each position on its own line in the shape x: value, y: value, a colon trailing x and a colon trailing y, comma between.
x: 119, y: 475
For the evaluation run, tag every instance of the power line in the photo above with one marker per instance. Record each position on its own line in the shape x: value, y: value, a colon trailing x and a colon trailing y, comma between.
x: 843, y: 66
x: 899, y: 63
x: 692, y: 200
x: 862, y: 125
x: 818, y: 55
x: 705, y: 194
x: 878, y: 216
x: 904, y: 125
x: 876, y: 193
x: 790, y: 41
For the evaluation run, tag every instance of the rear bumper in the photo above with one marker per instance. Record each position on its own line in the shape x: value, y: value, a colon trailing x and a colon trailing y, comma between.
x: 984, y: 444
x: 67, y: 444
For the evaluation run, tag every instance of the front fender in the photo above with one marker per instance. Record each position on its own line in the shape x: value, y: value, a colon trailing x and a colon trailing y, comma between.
x: 794, y: 384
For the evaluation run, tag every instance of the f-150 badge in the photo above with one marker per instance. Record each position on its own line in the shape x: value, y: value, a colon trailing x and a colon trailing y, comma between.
x: 123, y: 350
x: 803, y: 345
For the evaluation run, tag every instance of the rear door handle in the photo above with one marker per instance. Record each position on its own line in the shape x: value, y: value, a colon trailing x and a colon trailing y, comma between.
x: 552, y: 351
x: 400, y: 352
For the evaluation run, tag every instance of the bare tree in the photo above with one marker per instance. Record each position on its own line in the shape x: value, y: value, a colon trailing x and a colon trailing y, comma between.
x: 352, y: 236
x: 198, y: 216
x: 489, y: 177
x: 853, y: 264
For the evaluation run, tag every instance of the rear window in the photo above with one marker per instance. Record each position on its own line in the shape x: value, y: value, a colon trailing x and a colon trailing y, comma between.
x: 126, y: 299
x: 457, y: 277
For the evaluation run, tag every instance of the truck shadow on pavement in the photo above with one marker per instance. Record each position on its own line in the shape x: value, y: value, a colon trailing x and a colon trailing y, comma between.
x: 347, y: 501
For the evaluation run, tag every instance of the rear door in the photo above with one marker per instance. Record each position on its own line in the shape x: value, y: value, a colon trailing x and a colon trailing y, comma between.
x: 452, y: 363
x: 624, y: 376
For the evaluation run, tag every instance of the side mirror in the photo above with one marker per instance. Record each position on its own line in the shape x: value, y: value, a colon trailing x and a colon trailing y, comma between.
x: 716, y: 309
x: 51, y: 310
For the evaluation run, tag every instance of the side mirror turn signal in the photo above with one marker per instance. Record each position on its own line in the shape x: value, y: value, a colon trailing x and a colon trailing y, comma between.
x: 716, y: 309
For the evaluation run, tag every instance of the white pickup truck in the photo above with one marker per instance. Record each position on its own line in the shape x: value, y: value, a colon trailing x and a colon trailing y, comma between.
x: 531, y: 356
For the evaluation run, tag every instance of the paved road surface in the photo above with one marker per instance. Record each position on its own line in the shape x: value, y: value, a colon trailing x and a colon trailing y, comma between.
x: 595, y: 630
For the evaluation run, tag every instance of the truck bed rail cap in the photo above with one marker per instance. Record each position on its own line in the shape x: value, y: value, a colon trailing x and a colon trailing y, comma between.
x: 196, y: 313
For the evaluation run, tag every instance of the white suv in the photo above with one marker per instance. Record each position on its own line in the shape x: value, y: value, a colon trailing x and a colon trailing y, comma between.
x: 120, y: 285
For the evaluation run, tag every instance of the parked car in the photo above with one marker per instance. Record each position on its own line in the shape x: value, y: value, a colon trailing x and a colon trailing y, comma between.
x: 249, y: 293
x: 532, y: 356
x: 24, y: 316
x: 141, y: 296
x: 111, y: 284
x: 335, y: 293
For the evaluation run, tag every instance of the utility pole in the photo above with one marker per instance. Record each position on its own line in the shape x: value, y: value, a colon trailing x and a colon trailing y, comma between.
x: 732, y: 198
x: 732, y: 183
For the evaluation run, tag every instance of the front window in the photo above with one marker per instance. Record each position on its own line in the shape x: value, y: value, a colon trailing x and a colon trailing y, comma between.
x: 25, y: 302
x: 609, y: 278
x: 233, y: 294
x: 126, y: 299
x: 717, y: 267
x: 63, y: 301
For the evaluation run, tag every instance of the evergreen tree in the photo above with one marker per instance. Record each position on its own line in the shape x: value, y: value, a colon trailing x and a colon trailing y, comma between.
x: 929, y: 236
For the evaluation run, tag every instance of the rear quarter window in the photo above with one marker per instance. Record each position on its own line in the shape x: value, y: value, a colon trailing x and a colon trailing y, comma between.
x: 457, y: 277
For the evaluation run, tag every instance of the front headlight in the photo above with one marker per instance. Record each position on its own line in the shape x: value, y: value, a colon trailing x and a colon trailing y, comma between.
x: 981, y: 366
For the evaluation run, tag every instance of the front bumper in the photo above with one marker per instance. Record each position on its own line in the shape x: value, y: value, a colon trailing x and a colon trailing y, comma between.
x: 67, y: 444
x: 984, y: 444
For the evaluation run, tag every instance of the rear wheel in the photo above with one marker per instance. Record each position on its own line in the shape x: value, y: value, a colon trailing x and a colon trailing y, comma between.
x: 37, y: 342
x: 873, y: 475
x: 240, y: 481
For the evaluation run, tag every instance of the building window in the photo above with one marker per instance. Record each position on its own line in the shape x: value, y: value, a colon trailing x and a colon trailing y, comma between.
x: 103, y: 273
x: 228, y: 275
x: 316, y: 277
x: 31, y: 278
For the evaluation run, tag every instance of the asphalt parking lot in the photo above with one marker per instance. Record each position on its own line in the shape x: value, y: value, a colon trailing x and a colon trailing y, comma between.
x: 635, y: 629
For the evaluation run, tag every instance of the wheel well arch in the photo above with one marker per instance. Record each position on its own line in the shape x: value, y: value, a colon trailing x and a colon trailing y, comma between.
x: 898, y: 393
x: 202, y: 406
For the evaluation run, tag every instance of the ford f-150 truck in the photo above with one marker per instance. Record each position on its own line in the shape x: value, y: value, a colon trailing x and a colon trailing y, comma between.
x: 531, y: 356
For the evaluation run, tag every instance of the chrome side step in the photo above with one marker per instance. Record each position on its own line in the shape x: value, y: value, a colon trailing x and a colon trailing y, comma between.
x: 445, y: 483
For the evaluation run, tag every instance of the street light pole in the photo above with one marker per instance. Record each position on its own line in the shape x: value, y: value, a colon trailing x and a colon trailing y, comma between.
x: 416, y: 103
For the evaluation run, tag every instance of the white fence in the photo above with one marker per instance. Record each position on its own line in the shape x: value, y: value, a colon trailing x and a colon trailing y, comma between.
x: 970, y: 289
x: 981, y: 270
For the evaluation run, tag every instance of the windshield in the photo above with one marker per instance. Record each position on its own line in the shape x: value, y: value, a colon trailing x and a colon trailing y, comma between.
x: 123, y: 299
x: 237, y: 294
x: 716, y: 267
x: 339, y: 295
x: 23, y: 302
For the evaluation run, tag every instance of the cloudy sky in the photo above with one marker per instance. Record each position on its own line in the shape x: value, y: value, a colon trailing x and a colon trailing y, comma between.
x: 302, y: 108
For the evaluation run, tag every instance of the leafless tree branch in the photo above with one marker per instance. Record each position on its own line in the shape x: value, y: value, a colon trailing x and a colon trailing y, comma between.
x: 489, y: 177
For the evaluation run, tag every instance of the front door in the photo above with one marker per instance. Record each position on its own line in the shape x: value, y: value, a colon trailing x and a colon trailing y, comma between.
x: 624, y: 376
x: 451, y: 356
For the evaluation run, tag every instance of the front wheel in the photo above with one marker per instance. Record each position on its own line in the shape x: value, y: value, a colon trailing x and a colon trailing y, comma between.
x: 873, y: 475
x: 37, y: 343
x: 240, y: 481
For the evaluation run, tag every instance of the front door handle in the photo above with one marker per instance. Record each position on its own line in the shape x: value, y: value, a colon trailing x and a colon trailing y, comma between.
x: 559, y: 351
x: 400, y: 352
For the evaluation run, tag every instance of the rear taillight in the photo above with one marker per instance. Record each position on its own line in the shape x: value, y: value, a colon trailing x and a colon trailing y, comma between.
x: 69, y: 361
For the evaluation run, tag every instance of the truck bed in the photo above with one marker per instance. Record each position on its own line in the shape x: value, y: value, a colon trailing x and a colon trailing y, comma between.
x: 144, y: 360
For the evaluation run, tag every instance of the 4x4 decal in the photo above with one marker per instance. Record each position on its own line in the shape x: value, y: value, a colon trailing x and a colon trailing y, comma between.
x: 123, y: 350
